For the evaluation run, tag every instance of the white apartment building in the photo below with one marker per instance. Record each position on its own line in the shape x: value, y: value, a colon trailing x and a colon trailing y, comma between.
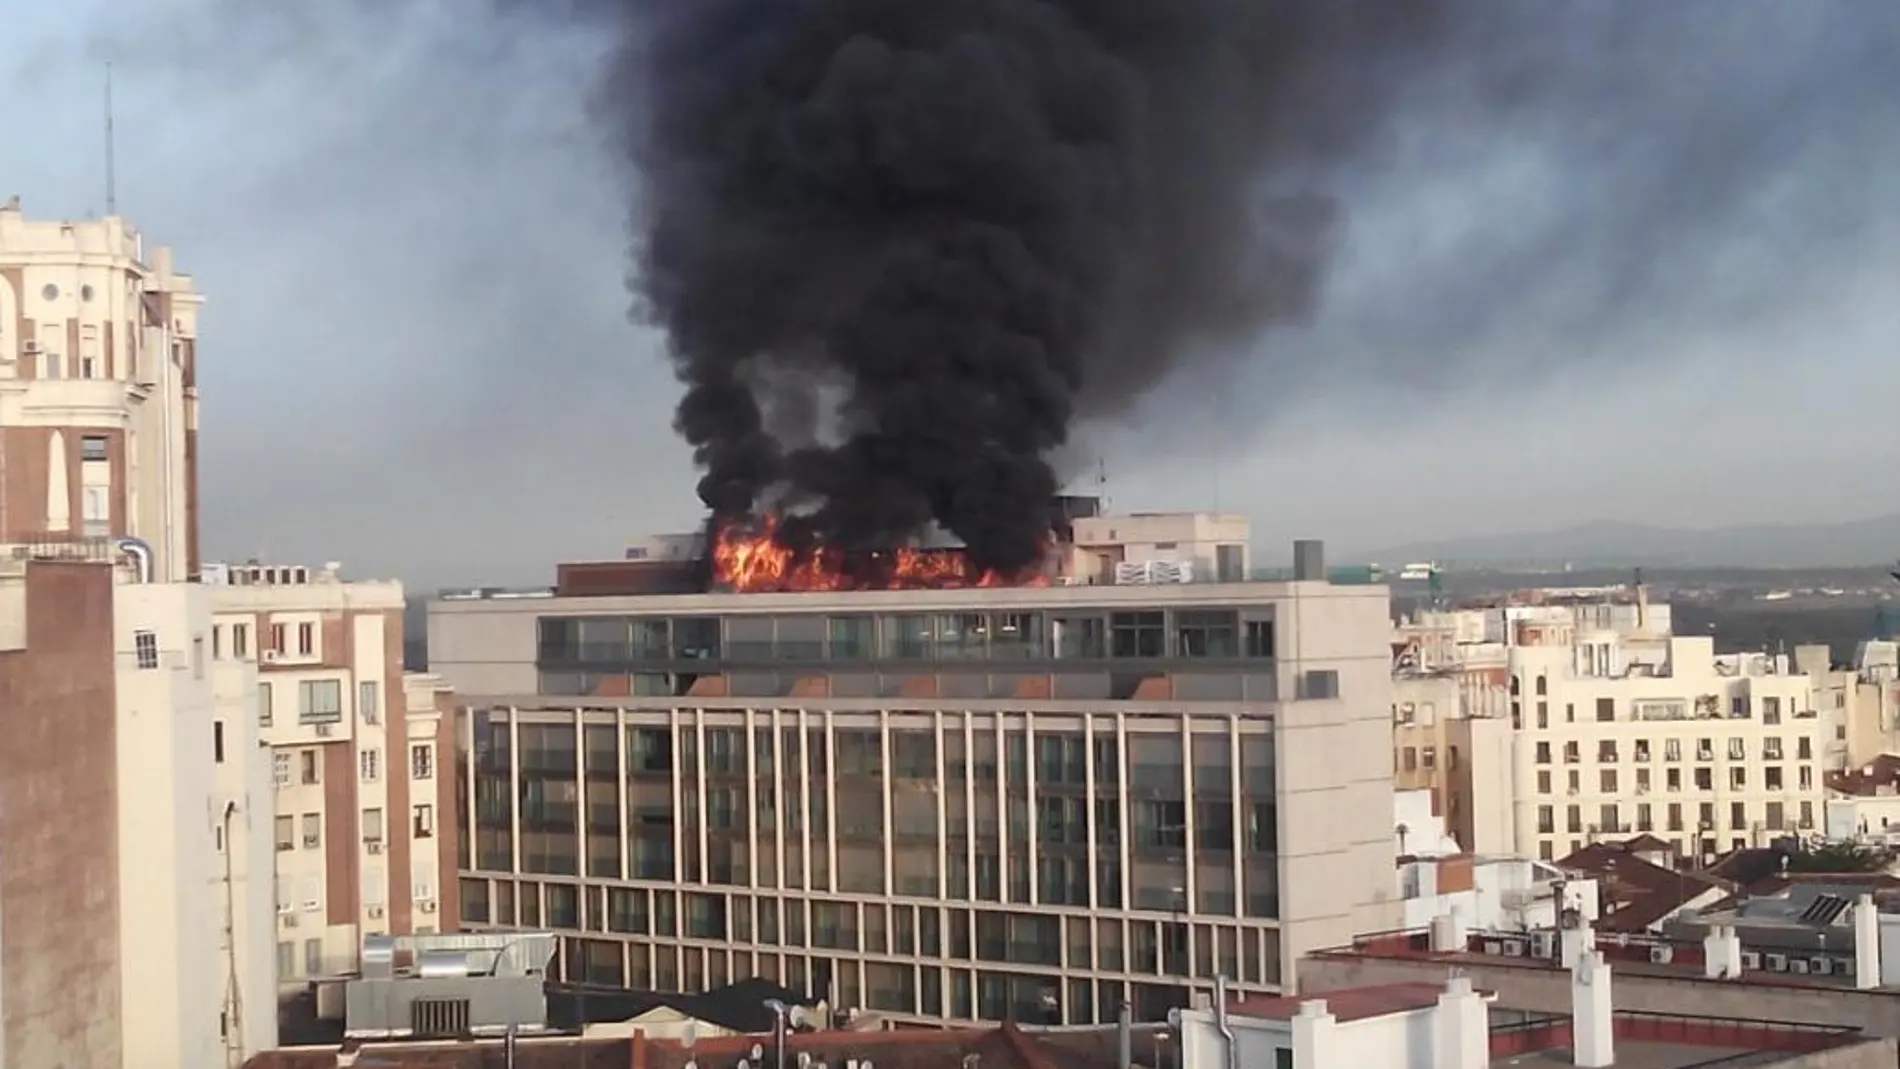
x: 98, y: 390
x: 135, y: 898
x: 1708, y: 752
x: 354, y: 747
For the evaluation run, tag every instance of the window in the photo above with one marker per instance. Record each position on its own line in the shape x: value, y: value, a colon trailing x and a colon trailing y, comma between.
x: 312, y: 830
x: 264, y: 712
x: 367, y: 703
x: 240, y: 641
x: 1606, y: 709
x: 1318, y: 685
x: 1207, y: 633
x: 1259, y: 639
x: 320, y: 701
x: 306, y: 640
x: 145, y: 648
x: 95, y: 503
x: 286, y: 833
x: 424, y: 821
x: 372, y: 825
x: 313, y: 957
x: 286, y: 960
x: 369, y: 764
x: 1137, y: 634
x: 94, y: 448
x: 280, y: 769
x: 276, y: 638
x: 421, y: 762
x: 217, y: 741
x: 310, y: 776
x: 217, y: 642
x: 89, y: 352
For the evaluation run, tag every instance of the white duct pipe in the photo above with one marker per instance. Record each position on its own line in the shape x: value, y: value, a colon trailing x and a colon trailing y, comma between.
x: 1221, y: 1024
x: 141, y: 553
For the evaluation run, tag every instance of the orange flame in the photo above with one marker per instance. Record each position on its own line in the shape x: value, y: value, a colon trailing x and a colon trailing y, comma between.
x: 756, y: 562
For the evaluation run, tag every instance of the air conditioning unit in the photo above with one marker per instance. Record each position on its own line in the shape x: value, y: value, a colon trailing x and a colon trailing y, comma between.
x: 30, y: 348
x: 1751, y: 959
x: 326, y: 730
x: 271, y: 656
x: 374, y: 846
x: 285, y: 909
x: 1662, y: 955
x: 426, y: 905
x: 1798, y: 965
x: 1821, y: 966
x: 1514, y: 948
x: 311, y: 905
x: 1544, y: 945
x: 375, y: 913
x: 1775, y: 962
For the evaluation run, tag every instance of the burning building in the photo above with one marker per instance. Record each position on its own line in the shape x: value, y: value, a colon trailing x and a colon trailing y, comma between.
x: 926, y: 774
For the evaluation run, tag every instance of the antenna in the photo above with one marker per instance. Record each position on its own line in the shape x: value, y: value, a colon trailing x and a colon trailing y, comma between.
x: 112, y: 168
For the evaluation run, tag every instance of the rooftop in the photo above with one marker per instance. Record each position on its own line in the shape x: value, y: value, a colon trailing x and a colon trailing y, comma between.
x: 1878, y: 778
x: 1351, y: 1004
x: 1636, y: 892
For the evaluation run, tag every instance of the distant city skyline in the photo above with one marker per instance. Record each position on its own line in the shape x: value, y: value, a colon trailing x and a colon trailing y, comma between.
x: 417, y: 357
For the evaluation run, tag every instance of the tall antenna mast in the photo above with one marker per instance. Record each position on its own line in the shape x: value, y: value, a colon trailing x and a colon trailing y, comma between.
x: 112, y: 167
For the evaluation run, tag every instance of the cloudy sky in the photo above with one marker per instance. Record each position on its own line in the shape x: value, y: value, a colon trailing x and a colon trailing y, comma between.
x: 1638, y: 268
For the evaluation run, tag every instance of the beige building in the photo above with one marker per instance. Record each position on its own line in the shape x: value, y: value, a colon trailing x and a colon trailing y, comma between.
x: 355, y: 760
x: 135, y: 886
x: 1859, y: 702
x: 950, y: 804
x: 98, y: 390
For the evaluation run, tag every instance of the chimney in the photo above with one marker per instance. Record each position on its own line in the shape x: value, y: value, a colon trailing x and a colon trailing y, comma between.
x: 1462, y: 1027
x: 1125, y: 1035
x: 1592, y: 1014
x: 1316, y: 1034
x: 1866, y: 943
x: 1448, y: 933
x: 1309, y: 561
x: 1722, y: 953
x: 1574, y: 941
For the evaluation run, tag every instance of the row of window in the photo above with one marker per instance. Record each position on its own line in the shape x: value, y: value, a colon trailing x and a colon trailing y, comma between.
x: 369, y: 764
x: 421, y: 826
x: 1706, y: 707
x: 233, y: 641
x: 1773, y: 817
x: 320, y: 701
x: 1609, y: 751
x: 1191, y: 633
x: 1703, y: 779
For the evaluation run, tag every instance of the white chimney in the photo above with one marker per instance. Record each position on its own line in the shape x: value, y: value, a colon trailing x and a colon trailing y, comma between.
x: 1462, y: 1027
x: 1315, y: 1035
x: 1592, y: 1014
x: 1722, y: 953
x: 1573, y: 942
x: 1866, y: 943
x: 1448, y: 933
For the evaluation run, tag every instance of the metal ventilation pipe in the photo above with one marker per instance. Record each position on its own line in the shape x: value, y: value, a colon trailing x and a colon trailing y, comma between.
x: 141, y: 553
x: 1222, y: 1025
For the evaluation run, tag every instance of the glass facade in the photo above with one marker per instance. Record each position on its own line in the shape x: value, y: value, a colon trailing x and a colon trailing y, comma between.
x: 1035, y: 866
x: 1097, y: 652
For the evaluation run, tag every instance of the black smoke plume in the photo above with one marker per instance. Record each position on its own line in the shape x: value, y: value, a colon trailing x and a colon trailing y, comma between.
x: 972, y: 223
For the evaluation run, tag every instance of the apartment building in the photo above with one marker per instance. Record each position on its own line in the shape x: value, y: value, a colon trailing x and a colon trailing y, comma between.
x: 354, y: 749
x: 1707, y: 752
x: 98, y: 390
x: 965, y: 804
x: 135, y: 888
x: 1859, y: 701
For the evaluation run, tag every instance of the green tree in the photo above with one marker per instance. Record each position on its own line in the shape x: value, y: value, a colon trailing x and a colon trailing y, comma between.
x: 1839, y: 857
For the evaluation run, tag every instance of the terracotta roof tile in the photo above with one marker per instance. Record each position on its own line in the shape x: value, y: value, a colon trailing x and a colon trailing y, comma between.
x: 1349, y: 1004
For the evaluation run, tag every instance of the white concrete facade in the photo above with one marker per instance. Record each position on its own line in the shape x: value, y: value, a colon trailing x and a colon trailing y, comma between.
x: 194, y: 908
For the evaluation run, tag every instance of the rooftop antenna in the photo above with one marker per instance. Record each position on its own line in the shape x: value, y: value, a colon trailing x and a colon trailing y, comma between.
x: 112, y: 167
x: 1101, y: 482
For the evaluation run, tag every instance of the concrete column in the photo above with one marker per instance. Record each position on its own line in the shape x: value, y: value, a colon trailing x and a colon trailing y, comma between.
x: 1315, y: 1035
x: 1866, y: 943
x: 1592, y: 1014
x: 1461, y: 1027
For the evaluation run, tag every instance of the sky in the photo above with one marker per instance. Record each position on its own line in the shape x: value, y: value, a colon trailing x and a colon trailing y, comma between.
x: 1638, y: 268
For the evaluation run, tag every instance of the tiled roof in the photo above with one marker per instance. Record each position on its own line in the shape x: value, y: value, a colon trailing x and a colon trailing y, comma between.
x: 1635, y: 893
x: 1876, y: 777
x: 1349, y: 1004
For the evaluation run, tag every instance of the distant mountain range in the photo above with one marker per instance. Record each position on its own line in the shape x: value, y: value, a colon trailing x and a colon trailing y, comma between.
x: 1817, y: 545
